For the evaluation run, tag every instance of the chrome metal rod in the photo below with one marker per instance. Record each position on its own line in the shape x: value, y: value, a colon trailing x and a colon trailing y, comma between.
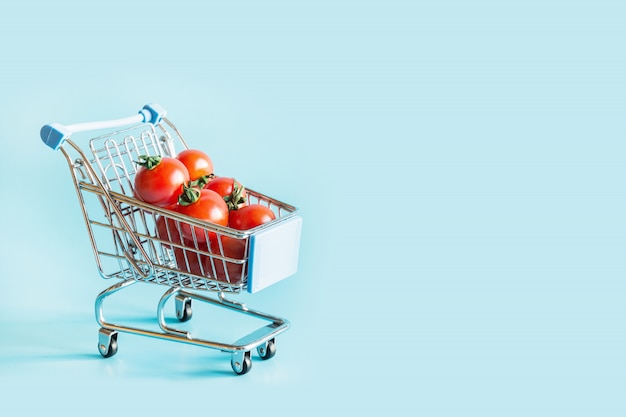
x: 245, y: 343
x: 161, y: 315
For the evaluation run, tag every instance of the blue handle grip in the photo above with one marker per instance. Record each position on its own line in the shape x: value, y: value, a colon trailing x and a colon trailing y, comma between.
x: 55, y: 134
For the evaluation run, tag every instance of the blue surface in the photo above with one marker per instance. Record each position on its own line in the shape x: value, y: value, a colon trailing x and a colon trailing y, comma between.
x: 459, y: 167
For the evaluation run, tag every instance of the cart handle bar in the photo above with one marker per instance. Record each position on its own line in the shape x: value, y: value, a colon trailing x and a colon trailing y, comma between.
x: 55, y: 134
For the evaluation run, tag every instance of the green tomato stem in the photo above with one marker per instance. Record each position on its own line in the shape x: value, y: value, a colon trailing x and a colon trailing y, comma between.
x: 190, y: 194
x: 236, y: 198
x: 202, y: 181
x: 149, y: 162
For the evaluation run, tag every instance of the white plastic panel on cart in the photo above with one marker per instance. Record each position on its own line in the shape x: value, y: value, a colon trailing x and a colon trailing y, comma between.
x: 274, y: 254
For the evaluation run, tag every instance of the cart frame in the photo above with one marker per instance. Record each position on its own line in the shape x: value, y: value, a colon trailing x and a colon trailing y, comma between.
x: 127, y: 246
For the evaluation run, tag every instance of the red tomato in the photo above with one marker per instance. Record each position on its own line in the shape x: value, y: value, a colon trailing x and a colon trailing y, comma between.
x: 204, y: 205
x: 190, y: 260
x: 197, y: 162
x: 226, y: 271
x: 166, y: 230
x: 250, y: 216
x: 160, y: 180
x: 187, y: 260
x: 231, y: 190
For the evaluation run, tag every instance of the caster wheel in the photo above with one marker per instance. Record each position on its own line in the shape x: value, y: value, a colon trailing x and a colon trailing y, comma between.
x: 107, y: 343
x: 267, y: 350
x: 241, y: 362
x: 183, y: 308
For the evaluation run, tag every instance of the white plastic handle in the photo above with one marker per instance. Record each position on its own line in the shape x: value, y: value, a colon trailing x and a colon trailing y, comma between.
x: 55, y: 134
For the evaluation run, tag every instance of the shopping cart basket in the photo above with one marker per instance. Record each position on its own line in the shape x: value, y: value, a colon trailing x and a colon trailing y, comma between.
x: 137, y: 242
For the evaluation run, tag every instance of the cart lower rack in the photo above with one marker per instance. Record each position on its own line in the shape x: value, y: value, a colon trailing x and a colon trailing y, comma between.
x: 135, y: 242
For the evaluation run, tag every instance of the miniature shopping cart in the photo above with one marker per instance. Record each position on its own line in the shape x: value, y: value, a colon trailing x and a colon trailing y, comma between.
x: 127, y: 247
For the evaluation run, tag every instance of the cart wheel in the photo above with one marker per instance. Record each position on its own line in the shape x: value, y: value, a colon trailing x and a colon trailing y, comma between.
x: 267, y: 350
x: 183, y: 308
x: 107, y: 343
x: 241, y: 362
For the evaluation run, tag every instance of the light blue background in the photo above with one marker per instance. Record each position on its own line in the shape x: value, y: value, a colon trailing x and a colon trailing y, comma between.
x: 459, y: 167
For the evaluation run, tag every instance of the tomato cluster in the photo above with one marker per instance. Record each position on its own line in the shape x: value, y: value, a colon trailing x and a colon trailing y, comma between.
x: 187, y: 184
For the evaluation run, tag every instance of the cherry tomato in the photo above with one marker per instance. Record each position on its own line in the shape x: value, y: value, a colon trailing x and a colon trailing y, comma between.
x: 159, y: 180
x: 231, y: 190
x: 250, y: 216
x: 206, y: 205
x: 166, y: 230
x: 190, y: 260
x: 198, y: 163
x: 223, y: 270
x: 187, y: 260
